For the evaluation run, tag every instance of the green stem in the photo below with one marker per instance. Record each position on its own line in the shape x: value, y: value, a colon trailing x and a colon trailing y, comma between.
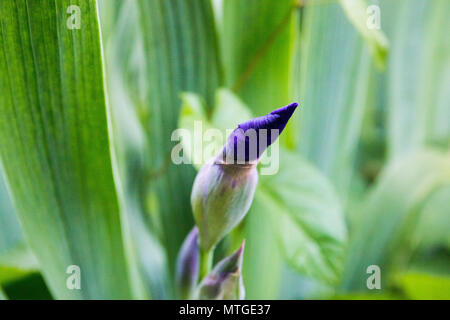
x: 205, y: 262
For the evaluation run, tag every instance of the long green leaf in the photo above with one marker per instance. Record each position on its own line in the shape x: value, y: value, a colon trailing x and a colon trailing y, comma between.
x: 261, y: 246
x: 180, y: 54
x: 391, y: 212
x: 55, y: 148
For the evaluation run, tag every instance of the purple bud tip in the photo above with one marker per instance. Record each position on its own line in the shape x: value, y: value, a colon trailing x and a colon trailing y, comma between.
x: 265, y: 131
x: 277, y: 119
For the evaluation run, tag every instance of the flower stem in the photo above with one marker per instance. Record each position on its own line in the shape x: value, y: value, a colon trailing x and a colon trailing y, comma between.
x: 205, y: 262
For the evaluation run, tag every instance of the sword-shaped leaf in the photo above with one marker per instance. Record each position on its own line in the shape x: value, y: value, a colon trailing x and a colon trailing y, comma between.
x: 55, y: 147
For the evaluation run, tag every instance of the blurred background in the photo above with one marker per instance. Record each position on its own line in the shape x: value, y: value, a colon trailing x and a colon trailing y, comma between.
x: 364, y: 175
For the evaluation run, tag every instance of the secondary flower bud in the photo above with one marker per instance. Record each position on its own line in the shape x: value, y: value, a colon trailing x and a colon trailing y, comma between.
x: 188, y: 266
x: 224, y: 188
x: 224, y: 282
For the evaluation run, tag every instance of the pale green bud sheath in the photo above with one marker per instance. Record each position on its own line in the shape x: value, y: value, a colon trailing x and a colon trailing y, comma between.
x: 224, y: 282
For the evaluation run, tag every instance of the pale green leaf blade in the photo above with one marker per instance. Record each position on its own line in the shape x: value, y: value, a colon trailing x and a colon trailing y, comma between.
x: 424, y: 286
x: 258, y: 43
x: 55, y: 146
x: 308, y: 217
x: 180, y: 54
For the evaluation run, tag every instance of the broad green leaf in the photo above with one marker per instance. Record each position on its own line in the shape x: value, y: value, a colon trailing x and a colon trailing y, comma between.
x: 359, y: 13
x: 180, y: 54
x: 420, y: 286
x: 332, y: 85
x: 419, y: 76
x: 261, y: 249
x: 308, y: 217
x: 258, y: 44
x: 390, y: 214
x: 55, y: 145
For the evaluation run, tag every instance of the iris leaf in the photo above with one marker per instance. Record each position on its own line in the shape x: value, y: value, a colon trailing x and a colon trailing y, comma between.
x: 307, y: 217
x: 55, y: 144
x: 390, y: 214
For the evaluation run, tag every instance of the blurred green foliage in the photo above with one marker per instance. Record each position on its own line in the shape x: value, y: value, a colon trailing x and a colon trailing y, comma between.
x: 364, y: 175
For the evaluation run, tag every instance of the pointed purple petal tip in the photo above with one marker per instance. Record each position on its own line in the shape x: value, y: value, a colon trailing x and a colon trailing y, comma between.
x: 267, y: 127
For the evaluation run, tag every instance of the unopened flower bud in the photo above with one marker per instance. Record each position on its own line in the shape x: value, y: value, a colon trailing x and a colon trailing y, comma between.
x: 224, y: 282
x: 224, y: 187
x: 187, y: 269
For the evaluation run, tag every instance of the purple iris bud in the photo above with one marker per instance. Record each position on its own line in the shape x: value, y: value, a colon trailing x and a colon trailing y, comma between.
x: 221, y: 196
x: 224, y: 282
x: 188, y: 266
x: 223, y: 189
x: 250, y: 139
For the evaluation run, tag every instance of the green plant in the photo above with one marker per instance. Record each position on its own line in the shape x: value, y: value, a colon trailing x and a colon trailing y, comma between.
x: 86, y: 136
